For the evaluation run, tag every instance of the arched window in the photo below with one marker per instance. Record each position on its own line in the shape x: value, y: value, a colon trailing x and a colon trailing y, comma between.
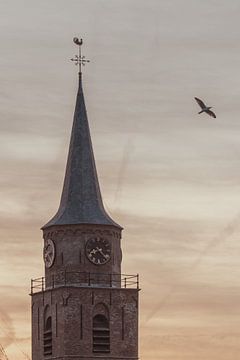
x: 47, y: 333
x: 101, y: 334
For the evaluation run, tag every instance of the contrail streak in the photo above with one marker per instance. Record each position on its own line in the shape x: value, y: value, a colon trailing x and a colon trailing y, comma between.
x: 127, y: 152
x: 228, y: 230
x: 7, y: 328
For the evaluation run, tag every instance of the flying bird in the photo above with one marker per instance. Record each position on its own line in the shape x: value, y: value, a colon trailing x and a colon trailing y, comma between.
x: 205, y: 108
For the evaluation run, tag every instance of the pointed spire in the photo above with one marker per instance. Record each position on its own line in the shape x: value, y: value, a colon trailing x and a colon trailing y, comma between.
x: 81, y: 201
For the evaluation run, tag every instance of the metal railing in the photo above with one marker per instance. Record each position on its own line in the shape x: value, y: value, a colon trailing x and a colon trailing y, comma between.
x: 84, y: 279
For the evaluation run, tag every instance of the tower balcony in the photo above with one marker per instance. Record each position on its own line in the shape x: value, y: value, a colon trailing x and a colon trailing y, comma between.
x: 84, y: 279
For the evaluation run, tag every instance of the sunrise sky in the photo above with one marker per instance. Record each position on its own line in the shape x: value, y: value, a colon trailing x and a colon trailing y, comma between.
x: 169, y: 176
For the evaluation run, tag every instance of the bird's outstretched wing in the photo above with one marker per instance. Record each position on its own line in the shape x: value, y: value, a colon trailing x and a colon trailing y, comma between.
x: 211, y: 113
x: 200, y: 103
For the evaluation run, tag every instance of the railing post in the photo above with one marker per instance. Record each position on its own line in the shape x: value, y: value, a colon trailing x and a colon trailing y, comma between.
x: 31, y: 286
x: 65, y: 280
x: 110, y: 280
x: 125, y: 282
x: 89, y: 279
x: 42, y: 283
x: 53, y: 281
x: 137, y: 281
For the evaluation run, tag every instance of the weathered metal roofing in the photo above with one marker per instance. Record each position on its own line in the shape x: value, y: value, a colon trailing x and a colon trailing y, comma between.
x: 81, y: 201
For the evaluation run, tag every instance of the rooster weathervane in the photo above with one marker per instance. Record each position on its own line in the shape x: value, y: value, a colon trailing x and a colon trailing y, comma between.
x: 79, y: 59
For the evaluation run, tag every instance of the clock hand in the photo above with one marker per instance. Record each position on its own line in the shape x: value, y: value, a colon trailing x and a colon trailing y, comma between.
x: 102, y: 253
x: 93, y: 251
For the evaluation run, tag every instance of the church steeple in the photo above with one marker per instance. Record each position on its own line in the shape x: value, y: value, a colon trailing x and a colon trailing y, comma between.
x: 81, y: 201
x: 83, y: 308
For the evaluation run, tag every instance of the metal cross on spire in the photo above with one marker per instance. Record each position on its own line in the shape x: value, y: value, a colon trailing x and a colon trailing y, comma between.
x: 79, y: 59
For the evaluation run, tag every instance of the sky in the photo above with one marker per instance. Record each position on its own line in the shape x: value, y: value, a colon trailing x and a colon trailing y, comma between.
x: 169, y: 176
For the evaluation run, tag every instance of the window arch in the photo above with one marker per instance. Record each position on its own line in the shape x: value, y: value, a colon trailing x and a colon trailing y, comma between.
x: 101, y: 334
x: 47, y: 333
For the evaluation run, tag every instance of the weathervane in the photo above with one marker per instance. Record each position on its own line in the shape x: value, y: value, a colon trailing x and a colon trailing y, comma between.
x: 79, y: 59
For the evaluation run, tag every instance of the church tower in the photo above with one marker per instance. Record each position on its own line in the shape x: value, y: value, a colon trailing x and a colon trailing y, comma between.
x: 83, y: 308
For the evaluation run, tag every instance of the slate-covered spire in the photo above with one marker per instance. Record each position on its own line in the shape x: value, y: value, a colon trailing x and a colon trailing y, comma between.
x: 81, y: 201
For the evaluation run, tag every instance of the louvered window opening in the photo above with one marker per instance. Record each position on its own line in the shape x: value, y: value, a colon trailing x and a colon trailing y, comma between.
x: 101, y: 334
x: 47, y: 337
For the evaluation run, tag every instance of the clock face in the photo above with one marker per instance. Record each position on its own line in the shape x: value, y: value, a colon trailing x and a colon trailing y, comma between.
x: 49, y: 253
x: 98, y: 250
